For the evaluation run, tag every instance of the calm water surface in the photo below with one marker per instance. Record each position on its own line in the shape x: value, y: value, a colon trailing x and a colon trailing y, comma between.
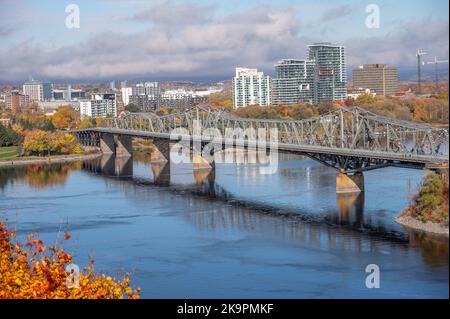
x: 238, y: 234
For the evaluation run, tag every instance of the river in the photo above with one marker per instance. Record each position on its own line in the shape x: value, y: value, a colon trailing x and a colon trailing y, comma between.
x: 238, y: 234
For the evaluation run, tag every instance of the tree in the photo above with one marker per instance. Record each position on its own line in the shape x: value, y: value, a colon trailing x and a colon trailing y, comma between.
x: 8, y: 136
x: 65, y: 117
x: 325, y: 107
x: 37, y: 142
x: 45, y: 143
x: 430, y: 194
x: 365, y: 99
x: 132, y: 108
x: 48, y: 125
x: 87, y: 122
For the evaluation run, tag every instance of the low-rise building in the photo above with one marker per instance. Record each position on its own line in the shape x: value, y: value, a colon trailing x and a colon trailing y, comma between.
x: 15, y: 101
x: 54, y: 105
x: 69, y: 94
x: 357, y: 93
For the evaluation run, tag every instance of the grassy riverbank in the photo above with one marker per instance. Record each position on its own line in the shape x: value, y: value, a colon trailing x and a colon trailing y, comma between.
x: 29, y: 160
x: 7, y: 152
x: 428, y: 210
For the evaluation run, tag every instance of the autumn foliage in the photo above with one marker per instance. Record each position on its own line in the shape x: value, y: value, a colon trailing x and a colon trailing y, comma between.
x: 35, y: 271
x: 45, y: 143
x: 65, y: 118
x: 431, y: 203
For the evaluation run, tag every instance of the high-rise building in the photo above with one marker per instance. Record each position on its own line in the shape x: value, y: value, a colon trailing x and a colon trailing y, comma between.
x: 100, y: 105
x: 251, y: 87
x: 379, y: 78
x: 294, y: 82
x: 15, y: 101
x: 330, y: 78
x: 38, y: 91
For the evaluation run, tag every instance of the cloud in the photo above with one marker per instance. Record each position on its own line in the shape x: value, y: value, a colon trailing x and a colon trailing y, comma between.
x: 336, y: 13
x: 398, y: 49
x: 6, y: 30
x: 203, y: 44
x: 212, y: 47
x: 169, y: 13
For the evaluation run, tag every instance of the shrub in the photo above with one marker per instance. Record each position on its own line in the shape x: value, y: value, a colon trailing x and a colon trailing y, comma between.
x: 33, y: 271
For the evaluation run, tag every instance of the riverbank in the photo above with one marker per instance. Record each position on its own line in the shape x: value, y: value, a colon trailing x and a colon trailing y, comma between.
x: 428, y: 227
x: 48, y: 160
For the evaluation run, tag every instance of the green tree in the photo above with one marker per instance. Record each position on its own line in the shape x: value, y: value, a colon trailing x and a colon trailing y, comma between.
x: 8, y: 136
x: 365, y: 99
x: 430, y: 194
x: 132, y: 108
x: 48, y: 125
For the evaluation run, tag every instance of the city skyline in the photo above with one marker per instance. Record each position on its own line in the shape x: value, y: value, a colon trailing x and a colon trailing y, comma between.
x: 208, y: 39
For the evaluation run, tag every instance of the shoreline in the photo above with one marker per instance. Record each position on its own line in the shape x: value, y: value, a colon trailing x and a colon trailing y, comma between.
x: 49, y: 160
x: 417, y: 225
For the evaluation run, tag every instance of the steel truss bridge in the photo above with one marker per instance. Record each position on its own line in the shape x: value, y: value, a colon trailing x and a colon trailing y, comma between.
x: 349, y: 139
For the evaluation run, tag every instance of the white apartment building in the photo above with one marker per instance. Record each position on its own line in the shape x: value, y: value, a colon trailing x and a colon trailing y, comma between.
x: 251, y: 87
x: 126, y: 92
x: 100, y: 105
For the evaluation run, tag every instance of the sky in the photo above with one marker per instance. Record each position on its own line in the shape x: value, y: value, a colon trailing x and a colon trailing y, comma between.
x: 187, y: 39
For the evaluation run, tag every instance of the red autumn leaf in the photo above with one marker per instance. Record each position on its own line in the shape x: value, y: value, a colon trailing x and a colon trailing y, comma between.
x: 67, y: 235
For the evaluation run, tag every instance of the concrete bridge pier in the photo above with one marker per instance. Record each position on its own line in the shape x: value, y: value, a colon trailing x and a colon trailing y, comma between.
x: 162, y: 151
x: 107, y: 145
x: 124, y: 145
x: 346, y: 183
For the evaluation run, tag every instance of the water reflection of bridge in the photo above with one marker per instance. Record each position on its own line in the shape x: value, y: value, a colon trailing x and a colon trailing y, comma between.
x: 346, y: 231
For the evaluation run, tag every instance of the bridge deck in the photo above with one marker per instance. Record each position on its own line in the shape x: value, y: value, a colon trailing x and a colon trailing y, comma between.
x: 286, y: 147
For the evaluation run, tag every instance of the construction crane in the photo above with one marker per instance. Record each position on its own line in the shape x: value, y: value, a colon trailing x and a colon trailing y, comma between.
x: 419, y: 79
x: 436, y: 62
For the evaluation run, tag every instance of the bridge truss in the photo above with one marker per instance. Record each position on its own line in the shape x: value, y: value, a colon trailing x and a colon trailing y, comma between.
x: 349, y: 139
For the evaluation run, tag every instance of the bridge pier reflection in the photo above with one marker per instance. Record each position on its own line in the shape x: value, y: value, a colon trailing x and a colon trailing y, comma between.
x: 204, y: 175
x: 161, y: 173
x: 111, y: 165
x: 123, y: 166
x: 351, y: 209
